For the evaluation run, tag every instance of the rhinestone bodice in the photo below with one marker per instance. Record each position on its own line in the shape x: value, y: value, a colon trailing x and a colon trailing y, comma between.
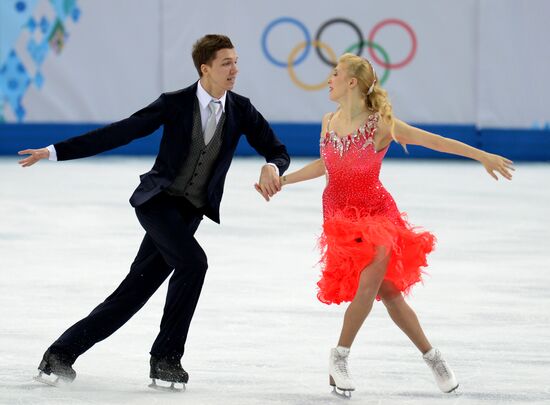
x: 352, y: 170
x: 359, y: 139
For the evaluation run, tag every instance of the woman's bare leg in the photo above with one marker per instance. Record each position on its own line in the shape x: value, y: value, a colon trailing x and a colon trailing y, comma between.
x: 403, y: 315
x: 369, y: 283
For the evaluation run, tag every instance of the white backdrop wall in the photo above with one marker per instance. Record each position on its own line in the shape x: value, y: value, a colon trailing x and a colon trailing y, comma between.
x: 514, y: 64
x: 476, y: 62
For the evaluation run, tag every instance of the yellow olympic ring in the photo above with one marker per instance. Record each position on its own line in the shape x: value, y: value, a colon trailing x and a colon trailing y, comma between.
x: 292, y: 73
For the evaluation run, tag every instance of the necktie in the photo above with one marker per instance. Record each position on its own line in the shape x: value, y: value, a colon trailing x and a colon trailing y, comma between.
x: 211, y: 122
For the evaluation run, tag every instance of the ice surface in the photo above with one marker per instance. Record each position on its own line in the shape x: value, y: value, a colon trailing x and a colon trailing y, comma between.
x: 259, y: 336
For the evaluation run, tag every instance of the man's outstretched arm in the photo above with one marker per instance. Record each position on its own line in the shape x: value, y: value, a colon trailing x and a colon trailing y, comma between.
x: 142, y: 123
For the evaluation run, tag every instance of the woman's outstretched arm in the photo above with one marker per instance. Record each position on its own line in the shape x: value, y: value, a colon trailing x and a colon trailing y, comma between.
x: 310, y: 171
x: 407, y: 134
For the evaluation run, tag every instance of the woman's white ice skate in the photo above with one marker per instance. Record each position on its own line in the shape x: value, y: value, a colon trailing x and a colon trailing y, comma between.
x: 339, y: 376
x: 444, y: 376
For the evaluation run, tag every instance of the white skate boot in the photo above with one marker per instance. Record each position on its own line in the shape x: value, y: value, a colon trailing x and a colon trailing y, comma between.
x: 444, y: 376
x: 339, y: 376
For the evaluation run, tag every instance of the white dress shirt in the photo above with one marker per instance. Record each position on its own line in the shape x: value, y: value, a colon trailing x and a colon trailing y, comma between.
x: 204, y: 100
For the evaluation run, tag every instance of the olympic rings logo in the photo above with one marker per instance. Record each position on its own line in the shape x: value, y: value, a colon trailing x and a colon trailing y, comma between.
x: 300, y: 52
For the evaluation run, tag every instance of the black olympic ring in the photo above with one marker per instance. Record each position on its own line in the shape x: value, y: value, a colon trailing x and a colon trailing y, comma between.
x: 361, y: 40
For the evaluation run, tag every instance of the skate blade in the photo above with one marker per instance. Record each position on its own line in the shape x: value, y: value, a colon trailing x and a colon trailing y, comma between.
x: 340, y: 393
x: 171, y: 388
x: 454, y: 390
x: 40, y: 379
x: 53, y: 381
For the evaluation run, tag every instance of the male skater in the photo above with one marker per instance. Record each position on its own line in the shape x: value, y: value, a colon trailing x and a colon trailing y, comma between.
x: 202, y: 126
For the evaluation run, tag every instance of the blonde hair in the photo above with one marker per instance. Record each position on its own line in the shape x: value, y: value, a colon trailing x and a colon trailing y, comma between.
x: 376, y: 98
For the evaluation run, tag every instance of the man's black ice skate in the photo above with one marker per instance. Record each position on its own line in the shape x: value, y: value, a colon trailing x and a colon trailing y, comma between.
x: 57, y: 364
x: 167, y: 370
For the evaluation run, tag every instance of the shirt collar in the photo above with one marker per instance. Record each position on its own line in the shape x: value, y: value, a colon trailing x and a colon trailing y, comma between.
x: 204, y: 97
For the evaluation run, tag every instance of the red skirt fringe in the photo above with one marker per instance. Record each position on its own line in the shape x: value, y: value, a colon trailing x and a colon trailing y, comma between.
x: 349, y: 245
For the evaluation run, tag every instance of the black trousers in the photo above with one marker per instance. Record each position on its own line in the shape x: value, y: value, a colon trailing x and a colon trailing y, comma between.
x: 169, y: 244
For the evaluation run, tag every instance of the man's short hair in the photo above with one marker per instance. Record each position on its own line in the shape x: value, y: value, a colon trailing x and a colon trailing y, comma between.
x: 204, y: 50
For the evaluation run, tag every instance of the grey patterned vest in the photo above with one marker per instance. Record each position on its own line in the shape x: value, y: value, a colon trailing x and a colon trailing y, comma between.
x: 194, y: 174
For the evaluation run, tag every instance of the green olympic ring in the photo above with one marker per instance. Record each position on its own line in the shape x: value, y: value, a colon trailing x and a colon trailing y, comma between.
x: 378, y: 48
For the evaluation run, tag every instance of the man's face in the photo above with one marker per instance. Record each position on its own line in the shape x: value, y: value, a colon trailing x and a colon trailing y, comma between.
x: 222, y: 71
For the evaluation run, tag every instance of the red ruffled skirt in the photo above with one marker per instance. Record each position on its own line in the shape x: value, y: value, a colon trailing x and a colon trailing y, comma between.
x: 348, y: 245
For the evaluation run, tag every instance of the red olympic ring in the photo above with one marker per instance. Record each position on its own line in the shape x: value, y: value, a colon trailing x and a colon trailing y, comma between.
x: 407, y: 28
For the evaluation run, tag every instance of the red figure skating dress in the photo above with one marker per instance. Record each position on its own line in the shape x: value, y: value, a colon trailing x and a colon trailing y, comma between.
x: 360, y: 215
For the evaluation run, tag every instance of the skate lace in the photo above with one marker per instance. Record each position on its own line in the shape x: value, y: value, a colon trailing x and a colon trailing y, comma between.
x: 342, y: 365
x: 440, y: 367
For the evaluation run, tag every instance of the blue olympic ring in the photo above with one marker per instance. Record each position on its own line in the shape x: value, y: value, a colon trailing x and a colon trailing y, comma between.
x: 289, y: 20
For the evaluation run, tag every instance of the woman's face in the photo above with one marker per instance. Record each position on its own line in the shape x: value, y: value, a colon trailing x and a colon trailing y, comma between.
x: 338, y: 83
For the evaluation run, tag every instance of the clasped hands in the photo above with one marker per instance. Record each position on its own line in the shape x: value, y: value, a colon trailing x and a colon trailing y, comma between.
x: 269, y: 183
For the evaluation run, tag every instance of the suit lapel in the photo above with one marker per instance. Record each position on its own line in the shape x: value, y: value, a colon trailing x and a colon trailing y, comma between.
x: 230, y: 122
x: 187, y: 107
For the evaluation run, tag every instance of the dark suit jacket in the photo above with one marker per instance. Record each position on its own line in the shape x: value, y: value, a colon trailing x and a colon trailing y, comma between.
x: 175, y: 111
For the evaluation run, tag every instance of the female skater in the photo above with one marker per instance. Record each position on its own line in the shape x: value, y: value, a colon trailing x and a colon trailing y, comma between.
x: 369, y: 250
